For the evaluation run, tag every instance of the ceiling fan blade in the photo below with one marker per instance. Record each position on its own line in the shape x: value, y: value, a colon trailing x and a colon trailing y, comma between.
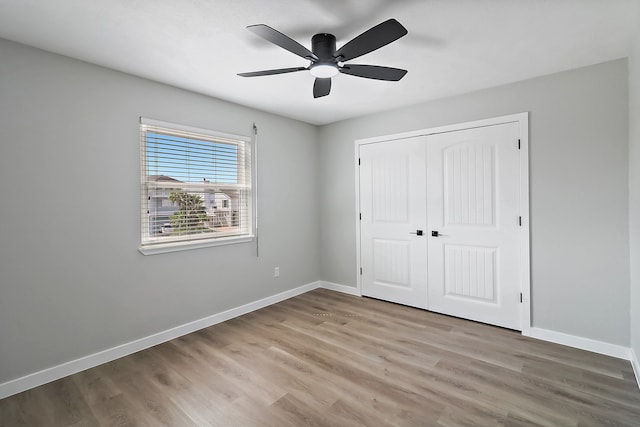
x: 372, y: 39
x: 285, y: 42
x: 374, y: 72
x: 272, y: 72
x: 321, y: 87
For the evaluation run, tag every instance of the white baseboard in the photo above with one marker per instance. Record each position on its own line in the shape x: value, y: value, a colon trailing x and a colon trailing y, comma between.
x: 588, y: 344
x: 36, y: 379
x: 636, y: 366
x: 340, y: 288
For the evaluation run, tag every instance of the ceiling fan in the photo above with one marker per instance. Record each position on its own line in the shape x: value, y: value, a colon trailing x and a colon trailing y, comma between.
x: 326, y: 61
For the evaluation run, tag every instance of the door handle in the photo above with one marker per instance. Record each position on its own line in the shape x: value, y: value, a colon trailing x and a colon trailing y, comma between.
x: 435, y: 233
x: 418, y: 232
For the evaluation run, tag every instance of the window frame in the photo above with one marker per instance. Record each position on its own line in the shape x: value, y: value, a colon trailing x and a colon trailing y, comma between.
x: 150, y: 246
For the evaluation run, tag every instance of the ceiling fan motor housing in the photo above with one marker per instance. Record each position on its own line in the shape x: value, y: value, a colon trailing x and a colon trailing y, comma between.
x: 323, y: 45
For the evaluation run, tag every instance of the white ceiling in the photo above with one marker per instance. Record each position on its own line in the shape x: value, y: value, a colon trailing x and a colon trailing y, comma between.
x: 453, y: 46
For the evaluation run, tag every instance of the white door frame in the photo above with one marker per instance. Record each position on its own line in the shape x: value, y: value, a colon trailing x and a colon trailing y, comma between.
x: 523, y: 121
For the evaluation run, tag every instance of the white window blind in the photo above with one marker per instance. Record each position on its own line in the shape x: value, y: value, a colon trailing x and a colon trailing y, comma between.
x: 195, y: 187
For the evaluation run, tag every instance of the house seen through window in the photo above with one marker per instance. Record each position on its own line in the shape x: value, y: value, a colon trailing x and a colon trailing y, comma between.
x: 196, y: 185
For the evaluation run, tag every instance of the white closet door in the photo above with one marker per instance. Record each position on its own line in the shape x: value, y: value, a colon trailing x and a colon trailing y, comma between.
x: 440, y: 223
x: 473, y: 207
x: 393, y: 208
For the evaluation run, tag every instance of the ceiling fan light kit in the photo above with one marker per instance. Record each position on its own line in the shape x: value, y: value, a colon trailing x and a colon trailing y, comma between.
x: 323, y: 71
x: 327, y: 62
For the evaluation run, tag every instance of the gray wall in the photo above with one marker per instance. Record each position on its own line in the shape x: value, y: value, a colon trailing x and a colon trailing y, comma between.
x: 578, y: 191
x: 72, y: 281
x: 634, y: 184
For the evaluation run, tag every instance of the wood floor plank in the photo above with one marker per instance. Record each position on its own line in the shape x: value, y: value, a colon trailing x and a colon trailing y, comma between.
x: 151, y: 405
x: 65, y: 403
x: 330, y: 359
x: 204, y: 377
x: 22, y: 410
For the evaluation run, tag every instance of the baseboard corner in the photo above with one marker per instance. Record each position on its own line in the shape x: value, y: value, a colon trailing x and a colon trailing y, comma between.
x: 581, y: 343
x: 339, y: 288
x: 635, y: 364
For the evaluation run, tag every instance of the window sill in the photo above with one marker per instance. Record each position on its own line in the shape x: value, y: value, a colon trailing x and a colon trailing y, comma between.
x: 161, y: 248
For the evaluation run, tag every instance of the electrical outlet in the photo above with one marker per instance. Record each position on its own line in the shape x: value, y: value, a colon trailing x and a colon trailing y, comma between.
x: 276, y: 272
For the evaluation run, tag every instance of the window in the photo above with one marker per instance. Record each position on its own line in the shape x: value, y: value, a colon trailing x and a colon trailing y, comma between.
x: 186, y: 175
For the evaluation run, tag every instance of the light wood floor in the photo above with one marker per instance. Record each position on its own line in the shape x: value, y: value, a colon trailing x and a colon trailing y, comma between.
x: 328, y: 359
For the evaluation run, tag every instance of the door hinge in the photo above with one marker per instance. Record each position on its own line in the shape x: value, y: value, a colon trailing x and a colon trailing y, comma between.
x: 360, y: 216
x: 520, y: 221
x: 518, y: 144
x: 358, y: 161
x: 361, y: 271
x: 520, y: 297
